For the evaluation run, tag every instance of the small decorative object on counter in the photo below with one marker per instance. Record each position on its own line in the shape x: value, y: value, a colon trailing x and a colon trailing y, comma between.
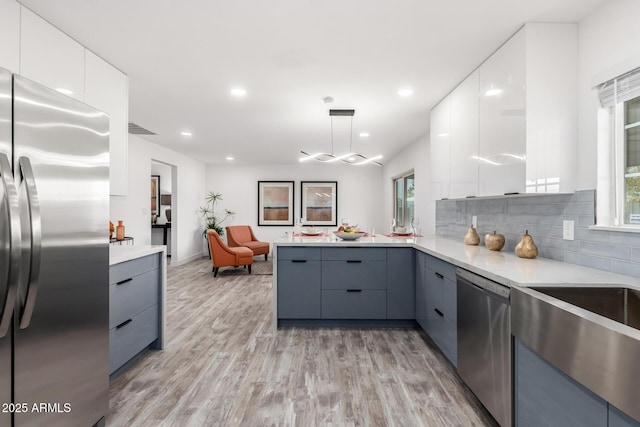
x: 472, y: 238
x: 494, y: 242
x: 111, y: 229
x: 154, y: 218
x: 526, y: 248
x: 120, y: 231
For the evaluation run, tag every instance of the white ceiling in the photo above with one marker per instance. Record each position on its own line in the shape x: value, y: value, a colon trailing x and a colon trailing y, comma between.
x: 183, y: 57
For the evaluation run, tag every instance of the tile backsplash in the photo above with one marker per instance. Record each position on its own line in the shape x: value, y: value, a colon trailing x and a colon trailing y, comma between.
x: 542, y: 215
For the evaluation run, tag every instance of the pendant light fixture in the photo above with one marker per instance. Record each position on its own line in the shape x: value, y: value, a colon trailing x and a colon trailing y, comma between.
x: 350, y: 157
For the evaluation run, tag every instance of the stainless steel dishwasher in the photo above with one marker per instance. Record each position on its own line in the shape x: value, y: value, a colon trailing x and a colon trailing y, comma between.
x: 484, y: 342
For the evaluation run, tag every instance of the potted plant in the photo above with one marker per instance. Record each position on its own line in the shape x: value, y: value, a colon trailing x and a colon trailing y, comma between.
x: 212, y: 220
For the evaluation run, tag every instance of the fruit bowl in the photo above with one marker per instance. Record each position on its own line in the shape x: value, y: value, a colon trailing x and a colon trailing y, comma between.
x: 349, y: 236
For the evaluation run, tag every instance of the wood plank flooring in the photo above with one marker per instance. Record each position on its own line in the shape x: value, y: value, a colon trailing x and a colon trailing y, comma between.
x: 225, y: 366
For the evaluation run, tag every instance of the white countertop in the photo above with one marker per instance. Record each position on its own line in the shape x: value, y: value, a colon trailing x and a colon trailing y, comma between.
x: 502, y: 267
x: 122, y: 253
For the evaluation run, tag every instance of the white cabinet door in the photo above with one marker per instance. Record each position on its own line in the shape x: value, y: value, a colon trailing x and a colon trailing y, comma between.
x: 50, y: 57
x: 107, y: 90
x: 502, y: 128
x: 552, y: 109
x: 440, y: 128
x: 463, y: 139
x: 10, y: 35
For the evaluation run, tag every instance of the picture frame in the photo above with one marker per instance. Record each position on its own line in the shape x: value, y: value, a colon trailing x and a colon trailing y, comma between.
x: 155, y: 194
x: 319, y: 202
x: 276, y: 203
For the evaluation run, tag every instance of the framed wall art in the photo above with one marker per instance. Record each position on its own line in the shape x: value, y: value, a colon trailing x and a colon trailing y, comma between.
x: 319, y: 202
x: 155, y: 194
x: 275, y: 202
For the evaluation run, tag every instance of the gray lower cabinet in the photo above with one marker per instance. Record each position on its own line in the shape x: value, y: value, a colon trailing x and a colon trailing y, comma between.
x: 134, y: 308
x: 436, y: 303
x: 401, y: 283
x: 360, y: 283
x: 545, y: 396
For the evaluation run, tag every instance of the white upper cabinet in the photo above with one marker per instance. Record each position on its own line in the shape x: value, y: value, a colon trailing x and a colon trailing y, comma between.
x: 440, y: 150
x: 10, y: 35
x: 50, y: 57
x: 552, y: 110
x: 107, y: 90
x: 502, y: 126
x: 463, y: 139
x: 528, y: 113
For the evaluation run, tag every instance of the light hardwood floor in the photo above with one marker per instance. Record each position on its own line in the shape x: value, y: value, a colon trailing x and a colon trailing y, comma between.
x: 225, y: 366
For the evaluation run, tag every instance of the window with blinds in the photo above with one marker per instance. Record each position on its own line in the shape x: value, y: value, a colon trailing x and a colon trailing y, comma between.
x: 622, y: 95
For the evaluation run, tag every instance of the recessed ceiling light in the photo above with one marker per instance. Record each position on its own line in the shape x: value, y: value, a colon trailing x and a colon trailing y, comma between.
x: 364, y: 134
x: 493, y: 92
x: 238, y: 91
x: 230, y: 158
x: 64, y: 91
x: 443, y: 134
x: 405, y: 92
x: 186, y: 133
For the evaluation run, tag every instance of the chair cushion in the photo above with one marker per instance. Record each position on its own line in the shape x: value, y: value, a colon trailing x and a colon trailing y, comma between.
x: 257, y: 247
x: 245, y: 255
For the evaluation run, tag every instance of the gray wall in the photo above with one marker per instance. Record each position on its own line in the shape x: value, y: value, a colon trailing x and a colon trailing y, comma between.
x: 542, y: 215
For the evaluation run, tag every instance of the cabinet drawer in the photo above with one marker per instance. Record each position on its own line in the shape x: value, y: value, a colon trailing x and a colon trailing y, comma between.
x: 133, y: 296
x: 449, y: 304
x: 354, y: 274
x: 298, y: 253
x: 366, y: 304
x: 128, y: 340
x: 442, y: 267
x: 128, y: 269
x: 344, y: 254
x: 298, y: 289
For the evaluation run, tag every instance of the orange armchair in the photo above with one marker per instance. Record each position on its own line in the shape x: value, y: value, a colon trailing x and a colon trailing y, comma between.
x: 224, y: 256
x: 242, y: 235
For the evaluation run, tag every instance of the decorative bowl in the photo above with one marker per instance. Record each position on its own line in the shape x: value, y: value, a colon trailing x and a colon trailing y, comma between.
x: 349, y: 236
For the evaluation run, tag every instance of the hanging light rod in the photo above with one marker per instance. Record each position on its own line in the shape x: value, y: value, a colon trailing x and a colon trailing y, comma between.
x: 348, y: 113
x: 350, y: 157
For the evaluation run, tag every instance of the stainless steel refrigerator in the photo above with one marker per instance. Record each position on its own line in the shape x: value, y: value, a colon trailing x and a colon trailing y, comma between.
x: 54, y: 258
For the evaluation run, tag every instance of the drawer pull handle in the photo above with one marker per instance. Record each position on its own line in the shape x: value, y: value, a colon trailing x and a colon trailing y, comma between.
x: 122, y: 282
x: 298, y: 260
x: 439, y: 312
x: 354, y: 260
x: 354, y: 290
x: 123, y: 324
x: 439, y: 275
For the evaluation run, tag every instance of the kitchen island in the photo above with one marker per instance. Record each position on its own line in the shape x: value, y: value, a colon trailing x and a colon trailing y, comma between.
x: 371, y: 282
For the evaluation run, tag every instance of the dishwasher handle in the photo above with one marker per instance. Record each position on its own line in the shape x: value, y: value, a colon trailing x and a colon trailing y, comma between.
x: 483, y: 284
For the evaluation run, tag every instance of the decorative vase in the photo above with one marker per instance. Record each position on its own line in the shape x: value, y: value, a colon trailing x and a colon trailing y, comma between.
x: 494, y: 242
x: 167, y: 213
x: 471, y: 238
x: 120, y: 231
x: 526, y: 248
x: 154, y: 218
x: 111, y: 229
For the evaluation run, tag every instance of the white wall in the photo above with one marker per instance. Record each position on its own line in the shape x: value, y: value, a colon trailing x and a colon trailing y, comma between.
x: 358, y: 192
x: 187, y: 195
x: 416, y: 157
x: 608, y: 44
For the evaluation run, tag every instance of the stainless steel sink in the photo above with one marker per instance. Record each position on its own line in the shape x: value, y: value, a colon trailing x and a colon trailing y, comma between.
x: 590, y: 333
x: 619, y: 304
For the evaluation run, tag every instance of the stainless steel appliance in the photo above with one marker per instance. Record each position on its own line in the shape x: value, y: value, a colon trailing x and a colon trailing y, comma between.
x: 598, y: 344
x: 484, y: 342
x: 54, y: 258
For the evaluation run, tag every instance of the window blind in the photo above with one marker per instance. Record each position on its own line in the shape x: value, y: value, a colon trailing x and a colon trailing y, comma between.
x: 620, y: 89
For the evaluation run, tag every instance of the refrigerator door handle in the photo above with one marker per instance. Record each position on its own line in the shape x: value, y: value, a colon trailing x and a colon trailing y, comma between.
x: 36, y: 242
x: 14, y: 244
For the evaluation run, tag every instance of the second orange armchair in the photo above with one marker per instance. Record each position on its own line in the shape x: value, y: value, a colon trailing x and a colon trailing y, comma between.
x: 242, y: 235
